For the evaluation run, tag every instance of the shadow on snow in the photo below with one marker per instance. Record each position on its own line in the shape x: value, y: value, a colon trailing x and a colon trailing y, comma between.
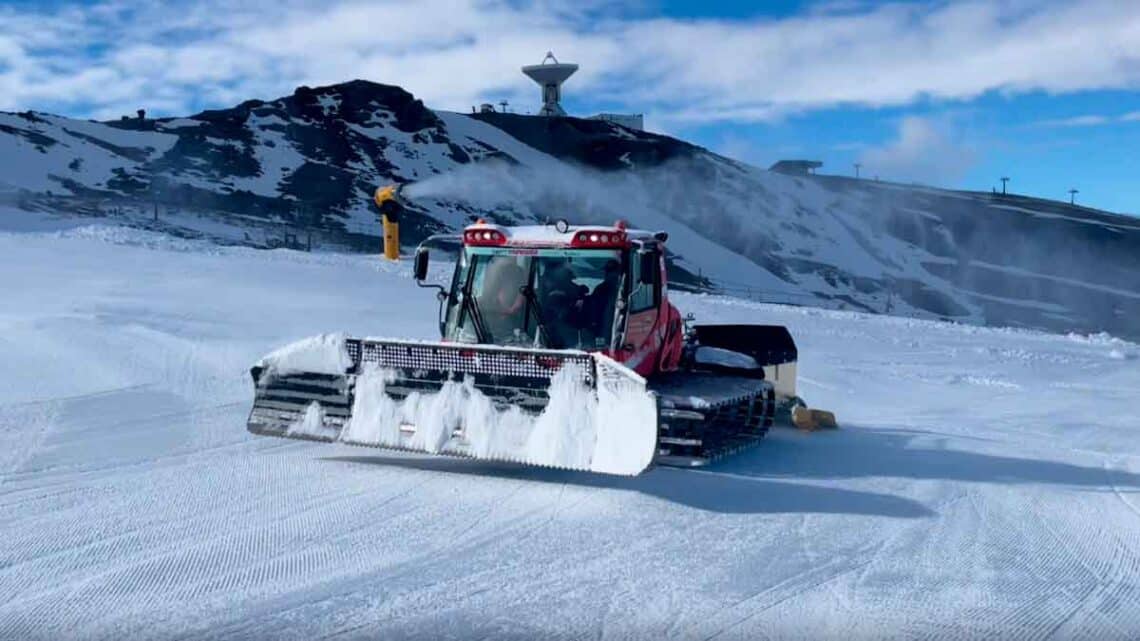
x: 763, y: 480
x: 724, y: 493
x: 863, y: 452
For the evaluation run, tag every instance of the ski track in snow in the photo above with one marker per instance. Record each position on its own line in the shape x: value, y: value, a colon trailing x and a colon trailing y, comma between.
x: 983, y: 483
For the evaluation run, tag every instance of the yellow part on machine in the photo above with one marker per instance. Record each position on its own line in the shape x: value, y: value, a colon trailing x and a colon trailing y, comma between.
x: 387, y: 199
x: 810, y: 420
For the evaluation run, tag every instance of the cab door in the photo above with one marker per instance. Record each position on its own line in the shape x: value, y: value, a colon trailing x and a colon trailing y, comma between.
x: 642, y: 340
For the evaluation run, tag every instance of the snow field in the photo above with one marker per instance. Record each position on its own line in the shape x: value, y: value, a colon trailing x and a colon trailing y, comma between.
x: 985, y: 482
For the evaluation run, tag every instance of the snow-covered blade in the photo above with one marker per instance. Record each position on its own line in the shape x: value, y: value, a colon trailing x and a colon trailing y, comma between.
x: 555, y: 408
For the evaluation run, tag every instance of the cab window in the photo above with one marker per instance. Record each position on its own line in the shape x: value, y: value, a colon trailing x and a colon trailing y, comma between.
x: 643, y: 296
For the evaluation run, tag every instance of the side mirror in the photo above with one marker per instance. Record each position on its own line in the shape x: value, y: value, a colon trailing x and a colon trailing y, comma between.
x: 420, y: 268
x: 648, y: 272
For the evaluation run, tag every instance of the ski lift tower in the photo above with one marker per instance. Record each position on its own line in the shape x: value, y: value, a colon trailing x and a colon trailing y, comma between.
x: 550, y: 77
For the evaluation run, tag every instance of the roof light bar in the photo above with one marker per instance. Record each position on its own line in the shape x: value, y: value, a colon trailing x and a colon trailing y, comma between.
x: 484, y: 237
x: 600, y: 239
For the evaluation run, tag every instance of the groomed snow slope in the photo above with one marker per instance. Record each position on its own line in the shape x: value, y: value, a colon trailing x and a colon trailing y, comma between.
x: 986, y: 483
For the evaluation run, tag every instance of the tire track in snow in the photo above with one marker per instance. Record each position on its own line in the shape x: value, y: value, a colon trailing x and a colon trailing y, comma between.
x: 1076, y: 577
x: 327, y: 529
x: 68, y: 538
x: 65, y: 470
x: 789, y: 589
x: 156, y: 563
x: 923, y: 611
x: 853, y: 564
x: 444, y: 554
x: 714, y: 625
x: 1118, y: 576
x: 60, y: 533
x: 529, y: 522
x: 1004, y: 536
x: 46, y: 411
x: 1107, y: 573
x: 68, y: 477
x: 1108, y: 469
x: 1084, y: 614
x: 25, y: 443
x: 275, y: 564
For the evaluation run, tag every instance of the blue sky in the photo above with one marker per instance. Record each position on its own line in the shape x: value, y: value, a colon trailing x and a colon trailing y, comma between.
x: 1046, y: 144
x: 949, y: 93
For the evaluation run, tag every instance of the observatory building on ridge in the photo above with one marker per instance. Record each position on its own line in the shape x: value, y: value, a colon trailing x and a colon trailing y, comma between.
x: 796, y: 167
x: 550, y: 74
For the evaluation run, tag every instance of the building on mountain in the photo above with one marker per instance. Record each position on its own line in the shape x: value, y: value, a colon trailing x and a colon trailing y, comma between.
x: 796, y: 167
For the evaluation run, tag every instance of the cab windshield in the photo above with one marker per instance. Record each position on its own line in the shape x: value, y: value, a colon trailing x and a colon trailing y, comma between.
x: 560, y: 299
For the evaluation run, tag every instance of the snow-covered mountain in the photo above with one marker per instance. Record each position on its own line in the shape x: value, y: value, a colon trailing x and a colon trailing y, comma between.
x: 311, y: 161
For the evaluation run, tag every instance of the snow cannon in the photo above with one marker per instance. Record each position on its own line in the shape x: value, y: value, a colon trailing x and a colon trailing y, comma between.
x: 391, y: 203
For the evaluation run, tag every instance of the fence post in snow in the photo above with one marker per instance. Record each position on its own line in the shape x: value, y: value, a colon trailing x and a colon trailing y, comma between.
x: 154, y: 187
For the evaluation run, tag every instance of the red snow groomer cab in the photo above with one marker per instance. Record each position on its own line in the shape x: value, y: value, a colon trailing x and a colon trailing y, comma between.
x: 559, y: 347
x: 595, y: 289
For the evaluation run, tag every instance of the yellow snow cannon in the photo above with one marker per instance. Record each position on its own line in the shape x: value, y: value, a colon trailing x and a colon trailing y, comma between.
x: 391, y: 204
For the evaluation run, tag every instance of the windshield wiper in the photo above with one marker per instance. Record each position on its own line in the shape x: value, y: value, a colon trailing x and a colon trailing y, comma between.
x: 471, y: 306
x: 532, y: 303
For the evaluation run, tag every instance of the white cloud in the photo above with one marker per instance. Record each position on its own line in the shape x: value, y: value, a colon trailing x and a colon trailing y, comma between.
x: 117, y: 55
x: 924, y: 152
x: 1087, y: 120
x: 1090, y: 120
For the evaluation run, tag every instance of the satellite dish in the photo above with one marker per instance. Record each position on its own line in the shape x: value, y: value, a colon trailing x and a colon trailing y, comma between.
x: 550, y: 77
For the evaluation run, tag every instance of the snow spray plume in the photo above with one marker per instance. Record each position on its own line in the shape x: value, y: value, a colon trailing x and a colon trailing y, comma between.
x: 824, y: 235
x: 579, y: 194
x: 490, y: 181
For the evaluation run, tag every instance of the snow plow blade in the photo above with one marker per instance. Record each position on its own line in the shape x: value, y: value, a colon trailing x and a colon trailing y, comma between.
x: 554, y: 408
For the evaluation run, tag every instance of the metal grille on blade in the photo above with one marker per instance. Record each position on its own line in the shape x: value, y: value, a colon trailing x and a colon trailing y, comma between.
x: 468, y: 359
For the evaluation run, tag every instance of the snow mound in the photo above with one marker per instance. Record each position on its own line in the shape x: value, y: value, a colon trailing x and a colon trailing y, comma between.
x: 612, y: 430
x: 312, y: 423
x: 1098, y: 338
x: 118, y: 234
x: 323, y: 354
x: 626, y: 420
x: 983, y: 381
